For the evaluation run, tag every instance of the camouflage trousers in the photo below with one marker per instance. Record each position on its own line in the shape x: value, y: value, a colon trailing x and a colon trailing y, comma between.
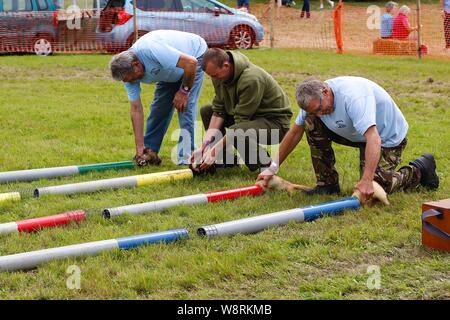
x: 322, y: 155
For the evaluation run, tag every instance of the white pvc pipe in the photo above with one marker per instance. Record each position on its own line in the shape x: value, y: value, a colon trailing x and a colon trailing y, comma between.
x: 252, y: 224
x: 35, y: 174
x: 28, y: 260
x: 89, y: 186
x: 154, y: 205
x: 10, y: 227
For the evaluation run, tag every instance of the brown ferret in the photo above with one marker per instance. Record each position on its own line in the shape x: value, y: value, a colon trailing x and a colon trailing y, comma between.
x: 378, y: 195
x: 277, y: 183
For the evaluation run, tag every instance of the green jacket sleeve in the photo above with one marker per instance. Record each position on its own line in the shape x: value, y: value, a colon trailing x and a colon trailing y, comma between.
x: 218, y: 105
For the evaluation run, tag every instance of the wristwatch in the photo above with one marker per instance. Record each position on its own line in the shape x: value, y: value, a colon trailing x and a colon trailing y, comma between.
x: 185, y: 90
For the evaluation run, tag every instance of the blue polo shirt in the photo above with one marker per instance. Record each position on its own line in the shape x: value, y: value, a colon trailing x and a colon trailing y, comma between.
x: 387, y: 21
x: 159, y: 52
x: 359, y: 104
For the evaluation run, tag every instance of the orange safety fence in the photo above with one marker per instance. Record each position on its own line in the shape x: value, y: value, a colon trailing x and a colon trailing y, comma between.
x: 362, y: 31
x: 108, y: 26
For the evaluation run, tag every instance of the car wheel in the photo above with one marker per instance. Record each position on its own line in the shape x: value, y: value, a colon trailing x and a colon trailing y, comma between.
x: 43, y: 45
x: 242, y: 37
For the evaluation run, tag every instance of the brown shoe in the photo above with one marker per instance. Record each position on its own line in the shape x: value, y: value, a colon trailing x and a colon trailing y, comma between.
x: 151, y: 157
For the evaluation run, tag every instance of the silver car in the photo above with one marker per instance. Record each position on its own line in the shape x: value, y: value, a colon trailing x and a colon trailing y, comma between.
x: 217, y: 23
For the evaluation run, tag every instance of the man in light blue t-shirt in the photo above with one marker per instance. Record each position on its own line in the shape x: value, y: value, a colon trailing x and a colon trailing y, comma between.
x: 356, y: 112
x: 387, y: 20
x: 172, y: 59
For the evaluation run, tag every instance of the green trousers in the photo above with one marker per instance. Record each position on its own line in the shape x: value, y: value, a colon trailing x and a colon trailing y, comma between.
x: 247, y: 137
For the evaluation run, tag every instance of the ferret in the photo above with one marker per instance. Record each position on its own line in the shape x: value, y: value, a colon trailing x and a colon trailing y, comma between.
x: 378, y: 195
x: 277, y: 183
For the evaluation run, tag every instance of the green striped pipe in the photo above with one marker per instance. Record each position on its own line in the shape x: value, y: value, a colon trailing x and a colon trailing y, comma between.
x: 49, y: 173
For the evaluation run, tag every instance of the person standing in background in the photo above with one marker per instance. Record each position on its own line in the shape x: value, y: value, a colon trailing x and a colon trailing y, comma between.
x: 331, y: 3
x: 305, y: 9
x: 446, y: 15
x: 243, y: 4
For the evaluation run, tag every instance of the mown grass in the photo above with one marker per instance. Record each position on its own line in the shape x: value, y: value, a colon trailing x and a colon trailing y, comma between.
x: 65, y: 110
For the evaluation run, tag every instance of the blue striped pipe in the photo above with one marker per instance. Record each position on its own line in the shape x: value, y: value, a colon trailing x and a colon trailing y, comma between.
x: 329, y: 208
x: 259, y: 223
x: 144, y: 239
x: 32, y: 259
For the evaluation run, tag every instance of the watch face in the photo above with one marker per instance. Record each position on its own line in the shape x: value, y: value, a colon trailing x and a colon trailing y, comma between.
x: 186, y: 88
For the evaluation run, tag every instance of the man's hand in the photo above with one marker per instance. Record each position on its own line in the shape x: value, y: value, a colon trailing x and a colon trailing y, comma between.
x: 139, y: 160
x: 265, y: 176
x: 180, y: 101
x: 196, y: 157
x: 209, y: 157
x: 366, y: 189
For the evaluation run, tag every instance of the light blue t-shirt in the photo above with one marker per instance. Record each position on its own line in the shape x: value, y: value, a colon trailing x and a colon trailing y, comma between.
x: 359, y: 104
x: 159, y: 52
x: 447, y: 6
x: 387, y: 22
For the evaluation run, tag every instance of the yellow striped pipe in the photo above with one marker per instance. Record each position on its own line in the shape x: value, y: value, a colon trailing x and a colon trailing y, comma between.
x: 9, y: 197
x: 166, y: 176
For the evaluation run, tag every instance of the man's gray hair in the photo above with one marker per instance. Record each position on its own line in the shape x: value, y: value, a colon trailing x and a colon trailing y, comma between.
x: 122, y: 64
x: 308, y: 90
x: 391, y: 4
x: 404, y: 9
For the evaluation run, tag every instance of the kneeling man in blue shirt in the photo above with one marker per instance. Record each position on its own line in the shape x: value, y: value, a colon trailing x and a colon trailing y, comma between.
x: 355, y: 112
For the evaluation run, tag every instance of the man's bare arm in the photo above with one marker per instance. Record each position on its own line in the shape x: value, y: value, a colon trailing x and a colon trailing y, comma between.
x: 137, y: 119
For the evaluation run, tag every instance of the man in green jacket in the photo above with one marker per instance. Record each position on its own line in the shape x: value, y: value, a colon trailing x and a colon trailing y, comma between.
x: 249, y: 103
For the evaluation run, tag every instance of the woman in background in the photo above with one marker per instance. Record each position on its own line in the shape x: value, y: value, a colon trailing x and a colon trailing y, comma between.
x: 401, y: 27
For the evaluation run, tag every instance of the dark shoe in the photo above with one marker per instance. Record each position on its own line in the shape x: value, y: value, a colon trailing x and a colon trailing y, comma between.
x: 308, y: 15
x: 330, y: 189
x: 427, y: 166
x: 197, y: 172
x: 151, y: 157
x: 302, y: 14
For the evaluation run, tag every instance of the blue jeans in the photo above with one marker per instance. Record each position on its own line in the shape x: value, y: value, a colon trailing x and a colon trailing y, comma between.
x: 161, y: 112
x: 243, y: 3
x: 306, y: 6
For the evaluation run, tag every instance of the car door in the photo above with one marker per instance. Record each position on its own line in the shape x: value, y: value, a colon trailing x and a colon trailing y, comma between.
x: 159, y: 14
x: 44, y: 19
x: 17, y: 19
x: 207, y: 19
x: 4, y: 20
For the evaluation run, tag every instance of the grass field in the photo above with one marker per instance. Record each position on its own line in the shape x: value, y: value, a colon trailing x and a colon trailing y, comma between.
x: 65, y: 110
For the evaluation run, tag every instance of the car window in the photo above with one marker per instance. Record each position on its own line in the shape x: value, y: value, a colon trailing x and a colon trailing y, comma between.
x: 16, y: 5
x: 23, y: 5
x: 7, y: 5
x: 197, y: 5
x: 42, y: 5
x: 149, y: 5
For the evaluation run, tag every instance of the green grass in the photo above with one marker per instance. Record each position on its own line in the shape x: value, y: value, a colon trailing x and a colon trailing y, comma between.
x: 65, y: 110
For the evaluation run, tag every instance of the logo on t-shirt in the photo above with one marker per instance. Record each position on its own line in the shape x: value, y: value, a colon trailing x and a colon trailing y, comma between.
x: 155, y: 71
x: 340, y: 124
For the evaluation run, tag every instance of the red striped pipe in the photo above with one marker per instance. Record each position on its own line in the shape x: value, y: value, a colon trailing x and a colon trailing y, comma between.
x: 159, y: 205
x: 31, y: 225
x: 234, y: 193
